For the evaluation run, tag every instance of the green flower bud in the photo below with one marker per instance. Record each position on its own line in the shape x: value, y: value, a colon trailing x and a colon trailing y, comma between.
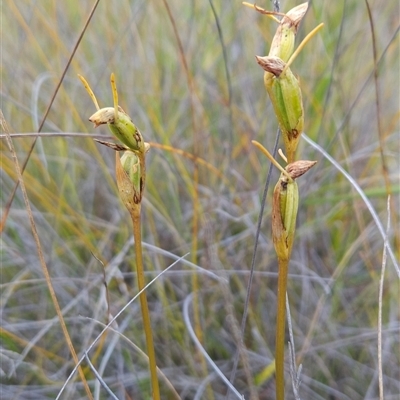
x: 283, y: 42
x: 131, y: 165
x: 121, y: 127
x: 284, y: 207
x: 284, y: 91
x: 282, y: 45
x: 284, y: 213
x: 130, y: 178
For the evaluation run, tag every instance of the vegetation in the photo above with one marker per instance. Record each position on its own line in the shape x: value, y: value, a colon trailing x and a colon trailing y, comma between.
x: 196, y: 93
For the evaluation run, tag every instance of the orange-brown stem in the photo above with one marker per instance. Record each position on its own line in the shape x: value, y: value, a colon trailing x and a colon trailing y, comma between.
x: 280, y: 329
x: 135, y: 214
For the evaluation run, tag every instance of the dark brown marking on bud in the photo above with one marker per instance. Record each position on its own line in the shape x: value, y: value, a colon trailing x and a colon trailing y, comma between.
x: 138, y: 137
x: 293, y: 134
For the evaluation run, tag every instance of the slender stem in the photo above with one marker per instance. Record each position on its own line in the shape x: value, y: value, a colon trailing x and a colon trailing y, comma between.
x: 135, y: 214
x: 280, y: 329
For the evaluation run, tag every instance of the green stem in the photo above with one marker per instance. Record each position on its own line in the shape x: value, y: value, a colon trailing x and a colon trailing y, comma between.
x: 135, y: 214
x: 280, y: 329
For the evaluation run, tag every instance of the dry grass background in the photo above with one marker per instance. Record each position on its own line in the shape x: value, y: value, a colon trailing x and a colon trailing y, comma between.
x: 336, y: 264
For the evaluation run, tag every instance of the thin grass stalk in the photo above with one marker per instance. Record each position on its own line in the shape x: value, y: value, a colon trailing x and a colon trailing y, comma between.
x: 230, y: 312
x: 195, y: 220
x: 42, y: 260
x: 381, y: 136
x: 195, y: 278
x: 239, y: 350
x: 30, y: 151
x: 295, y: 372
x: 380, y: 303
x: 109, y: 327
x: 258, y: 230
x: 99, y: 378
x: 196, y: 160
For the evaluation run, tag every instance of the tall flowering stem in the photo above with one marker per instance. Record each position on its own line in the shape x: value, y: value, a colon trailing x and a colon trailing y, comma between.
x: 285, y: 94
x: 131, y: 177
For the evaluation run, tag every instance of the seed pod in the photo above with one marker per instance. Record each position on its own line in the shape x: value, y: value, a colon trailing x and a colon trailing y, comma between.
x: 121, y: 127
x: 285, y: 94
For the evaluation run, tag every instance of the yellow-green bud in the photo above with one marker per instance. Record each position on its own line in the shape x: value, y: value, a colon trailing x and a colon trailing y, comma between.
x: 284, y: 213
x: 130, y: 179
x: 131, y: 165
x: 284, y: 207
x: 283, y: 42
x: 285, y: 94
x: 121, y: 127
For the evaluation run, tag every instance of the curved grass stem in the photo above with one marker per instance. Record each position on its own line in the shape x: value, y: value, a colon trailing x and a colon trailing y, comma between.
x: 19, y: 171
